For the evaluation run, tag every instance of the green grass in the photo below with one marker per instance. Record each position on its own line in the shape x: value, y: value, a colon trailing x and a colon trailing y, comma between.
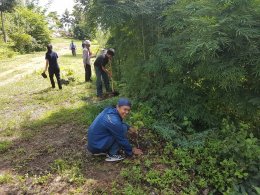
x: 37, y: 121
x: 5, y: 178
x: 31, y: 97
x: 4, y: 146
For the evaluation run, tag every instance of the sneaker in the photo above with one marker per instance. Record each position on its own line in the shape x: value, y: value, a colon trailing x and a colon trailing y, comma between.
x: 113, y: 158
x: 100, y: 154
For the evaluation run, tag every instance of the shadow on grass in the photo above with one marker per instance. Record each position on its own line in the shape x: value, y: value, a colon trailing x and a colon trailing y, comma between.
x: 58, y: 136
x: 43, y: 91
x: 78, y: 56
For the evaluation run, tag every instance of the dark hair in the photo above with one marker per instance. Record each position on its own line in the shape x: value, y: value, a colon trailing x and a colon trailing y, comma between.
x: 49, y: 48
x: 111, y: 52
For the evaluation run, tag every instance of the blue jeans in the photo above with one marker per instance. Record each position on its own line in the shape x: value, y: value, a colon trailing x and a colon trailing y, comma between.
x: 112, y: 147
x: 101, y: 75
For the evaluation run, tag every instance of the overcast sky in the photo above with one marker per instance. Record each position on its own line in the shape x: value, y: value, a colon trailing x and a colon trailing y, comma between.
x: 59, y: 5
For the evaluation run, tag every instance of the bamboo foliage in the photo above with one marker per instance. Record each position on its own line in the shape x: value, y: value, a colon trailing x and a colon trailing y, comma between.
x: 198, y: 59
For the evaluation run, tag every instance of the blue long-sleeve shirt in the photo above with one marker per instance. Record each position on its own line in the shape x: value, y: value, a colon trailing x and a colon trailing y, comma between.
x: 106, y: 128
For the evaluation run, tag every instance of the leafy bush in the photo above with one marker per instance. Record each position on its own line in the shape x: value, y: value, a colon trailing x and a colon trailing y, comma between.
x: 29, y: 23
x: 194, y: 59
x: 227, y: 162
x: 23, y: 43
x: 6, y: 51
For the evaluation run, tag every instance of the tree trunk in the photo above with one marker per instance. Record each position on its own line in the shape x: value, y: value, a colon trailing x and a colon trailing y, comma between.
x: 3, y: 27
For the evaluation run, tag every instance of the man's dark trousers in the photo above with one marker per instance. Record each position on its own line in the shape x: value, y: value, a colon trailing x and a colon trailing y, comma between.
x: 88, y: 73
x: 55, y: 72
x: 101, y: 75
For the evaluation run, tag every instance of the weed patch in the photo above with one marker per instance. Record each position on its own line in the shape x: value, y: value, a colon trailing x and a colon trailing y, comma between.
x: 4, y: 146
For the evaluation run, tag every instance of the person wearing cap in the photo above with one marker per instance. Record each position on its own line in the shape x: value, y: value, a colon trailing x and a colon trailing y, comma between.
x: 86, y: 60
x: 102, y: 73
x: 108, y: 133
x: 51, y: 58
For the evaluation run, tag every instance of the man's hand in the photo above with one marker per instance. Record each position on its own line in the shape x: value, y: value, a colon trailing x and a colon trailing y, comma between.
x: 110, y: 74
x: 137, y: 151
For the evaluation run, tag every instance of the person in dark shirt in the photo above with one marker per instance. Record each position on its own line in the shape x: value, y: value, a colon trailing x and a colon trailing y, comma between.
x: 73, y: 48
x: 102, y: 73
x: 108, y: 133
x: 52, y: 66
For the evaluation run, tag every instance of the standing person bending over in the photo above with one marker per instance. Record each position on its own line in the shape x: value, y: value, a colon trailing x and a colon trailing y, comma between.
x: 86, y: 60
x: 51, y: 62
x: 102, y: 73
x: 108, y: 133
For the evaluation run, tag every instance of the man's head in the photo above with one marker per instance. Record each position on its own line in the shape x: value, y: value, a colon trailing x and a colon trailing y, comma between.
x: 123, y: 107
x: 49, y: 47
x: 110, y: 53
x: 87, y: 43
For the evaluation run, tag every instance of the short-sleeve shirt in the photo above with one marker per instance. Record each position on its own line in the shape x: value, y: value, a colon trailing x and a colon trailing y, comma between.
x: 86, y: 56
x: 101, y: 60
x: 52, y: 58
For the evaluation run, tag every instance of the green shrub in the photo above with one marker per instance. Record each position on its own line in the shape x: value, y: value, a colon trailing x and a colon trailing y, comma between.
x: 133, y: 190
x: 6, y: 51
x: 199, y: 61
x: 226, y: 162
x: 33, y: 24
x: 133, y: 175
x: 228, y: 158
x: 23, y: 43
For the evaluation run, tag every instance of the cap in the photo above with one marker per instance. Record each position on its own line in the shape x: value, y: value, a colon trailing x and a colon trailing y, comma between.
x: 111, y: 51
x: 88, y: 42
x: 124, y: 102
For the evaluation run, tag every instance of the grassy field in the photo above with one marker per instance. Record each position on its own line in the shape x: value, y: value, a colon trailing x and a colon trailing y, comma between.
x: 42, y: 130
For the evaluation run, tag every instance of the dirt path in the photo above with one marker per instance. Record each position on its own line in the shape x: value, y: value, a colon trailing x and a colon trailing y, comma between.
x: 33, y: 65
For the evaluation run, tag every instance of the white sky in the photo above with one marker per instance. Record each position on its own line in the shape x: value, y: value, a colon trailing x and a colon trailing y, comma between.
x: 59, y: 5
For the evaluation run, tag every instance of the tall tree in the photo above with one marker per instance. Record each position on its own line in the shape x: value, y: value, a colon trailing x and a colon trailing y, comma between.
x: 81, y: 29
x: 6, y: 6
x: 53, y: 20
x: 66, y: 19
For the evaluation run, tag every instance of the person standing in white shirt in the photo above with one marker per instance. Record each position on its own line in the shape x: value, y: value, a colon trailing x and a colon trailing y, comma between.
x: 86, y: 60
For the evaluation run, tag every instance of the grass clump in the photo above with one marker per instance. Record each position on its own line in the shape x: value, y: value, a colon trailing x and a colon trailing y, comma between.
x: 4, y: 146
x: 6, y: 178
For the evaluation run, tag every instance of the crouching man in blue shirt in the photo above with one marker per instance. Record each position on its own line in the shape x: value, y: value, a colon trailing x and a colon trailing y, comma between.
x: 108, y: 133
